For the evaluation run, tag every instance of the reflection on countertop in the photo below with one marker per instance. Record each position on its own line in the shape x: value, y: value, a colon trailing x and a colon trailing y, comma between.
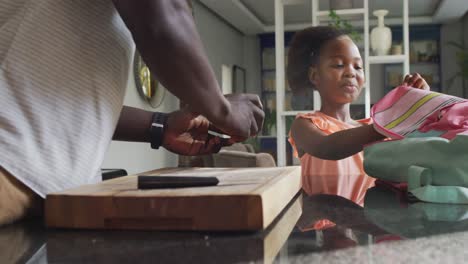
x: 21, y: 242
x: 311, y: 228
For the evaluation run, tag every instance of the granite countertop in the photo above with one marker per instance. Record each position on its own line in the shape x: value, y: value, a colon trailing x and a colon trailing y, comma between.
x: 325, y: 228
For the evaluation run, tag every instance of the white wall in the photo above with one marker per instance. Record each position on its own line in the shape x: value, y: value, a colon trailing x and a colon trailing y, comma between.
x: 223, y: 45
x: 226, y: 45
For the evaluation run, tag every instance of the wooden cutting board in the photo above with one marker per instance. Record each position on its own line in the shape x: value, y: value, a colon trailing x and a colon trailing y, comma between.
x: 245, y: 199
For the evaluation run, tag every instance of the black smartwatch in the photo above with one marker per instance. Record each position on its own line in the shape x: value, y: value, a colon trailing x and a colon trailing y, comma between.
x: 157, y: 129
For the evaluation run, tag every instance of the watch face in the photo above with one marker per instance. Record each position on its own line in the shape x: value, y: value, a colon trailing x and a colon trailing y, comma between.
x: 148, y: 87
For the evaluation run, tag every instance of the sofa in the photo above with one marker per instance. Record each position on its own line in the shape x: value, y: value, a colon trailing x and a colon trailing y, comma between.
x: 238, y: 155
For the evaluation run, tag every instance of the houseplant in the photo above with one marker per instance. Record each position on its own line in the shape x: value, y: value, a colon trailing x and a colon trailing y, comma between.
x: 338, y: 22
x: 269, y: 124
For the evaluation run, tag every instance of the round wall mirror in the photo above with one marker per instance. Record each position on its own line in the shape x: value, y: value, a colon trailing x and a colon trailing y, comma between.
x: 148, y: 87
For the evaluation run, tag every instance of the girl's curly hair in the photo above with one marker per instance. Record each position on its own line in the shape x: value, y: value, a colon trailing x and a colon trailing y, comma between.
x: 304, y: 52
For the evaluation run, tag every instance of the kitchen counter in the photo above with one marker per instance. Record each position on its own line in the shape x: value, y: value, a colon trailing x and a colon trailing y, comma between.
x: 325, y: 228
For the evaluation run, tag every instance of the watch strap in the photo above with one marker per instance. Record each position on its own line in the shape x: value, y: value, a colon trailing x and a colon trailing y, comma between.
x: 157, y: 129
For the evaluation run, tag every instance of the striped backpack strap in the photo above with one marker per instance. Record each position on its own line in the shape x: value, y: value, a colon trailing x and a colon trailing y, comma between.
x: 404, y: 109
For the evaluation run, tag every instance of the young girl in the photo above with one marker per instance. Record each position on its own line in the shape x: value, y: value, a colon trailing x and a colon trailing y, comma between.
x: 329, y: 142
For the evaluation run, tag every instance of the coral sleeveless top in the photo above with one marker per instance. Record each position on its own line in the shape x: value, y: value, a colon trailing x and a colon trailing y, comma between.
x: 344, y: 177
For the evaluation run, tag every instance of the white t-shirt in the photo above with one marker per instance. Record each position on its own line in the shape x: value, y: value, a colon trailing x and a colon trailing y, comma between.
x: 64, y: 70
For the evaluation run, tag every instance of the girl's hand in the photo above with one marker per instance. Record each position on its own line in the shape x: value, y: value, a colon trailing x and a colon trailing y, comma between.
x: 415, y: 80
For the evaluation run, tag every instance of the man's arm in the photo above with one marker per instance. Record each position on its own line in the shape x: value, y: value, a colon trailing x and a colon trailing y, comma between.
x: 184, y: 133
x: 133, y: 125
x: 167, y: 39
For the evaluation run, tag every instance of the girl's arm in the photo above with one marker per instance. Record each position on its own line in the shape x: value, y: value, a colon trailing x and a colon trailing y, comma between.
x: 339, y: 145
x: 342, y: 144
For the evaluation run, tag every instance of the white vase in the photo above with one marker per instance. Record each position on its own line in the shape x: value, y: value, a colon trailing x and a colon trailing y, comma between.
x: 381, y: 36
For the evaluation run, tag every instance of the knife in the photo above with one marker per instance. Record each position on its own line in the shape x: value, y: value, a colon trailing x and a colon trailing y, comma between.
x: 165, y: 182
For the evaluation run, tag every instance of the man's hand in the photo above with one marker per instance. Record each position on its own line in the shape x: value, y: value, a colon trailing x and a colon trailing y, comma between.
x: 245, y: 118
x: 416, y: 80
x: 186, y: 133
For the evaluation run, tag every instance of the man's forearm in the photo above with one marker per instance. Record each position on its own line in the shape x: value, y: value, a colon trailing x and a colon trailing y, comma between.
x: 167, y: 39
x: 133, y: 125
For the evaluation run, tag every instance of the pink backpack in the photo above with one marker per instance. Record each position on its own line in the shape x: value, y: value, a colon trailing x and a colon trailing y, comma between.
x: 429, y: 150
x: 406, y: 111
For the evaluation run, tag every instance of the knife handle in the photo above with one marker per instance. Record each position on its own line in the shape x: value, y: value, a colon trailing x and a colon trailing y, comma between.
x: 165, y: 182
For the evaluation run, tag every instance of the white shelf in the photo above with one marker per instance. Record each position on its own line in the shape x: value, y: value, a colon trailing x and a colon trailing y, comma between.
x: 387, y: 59
x: 343, y: 12
x: 323, y: 16
x: 293, y: 2
x: 294, y: 113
